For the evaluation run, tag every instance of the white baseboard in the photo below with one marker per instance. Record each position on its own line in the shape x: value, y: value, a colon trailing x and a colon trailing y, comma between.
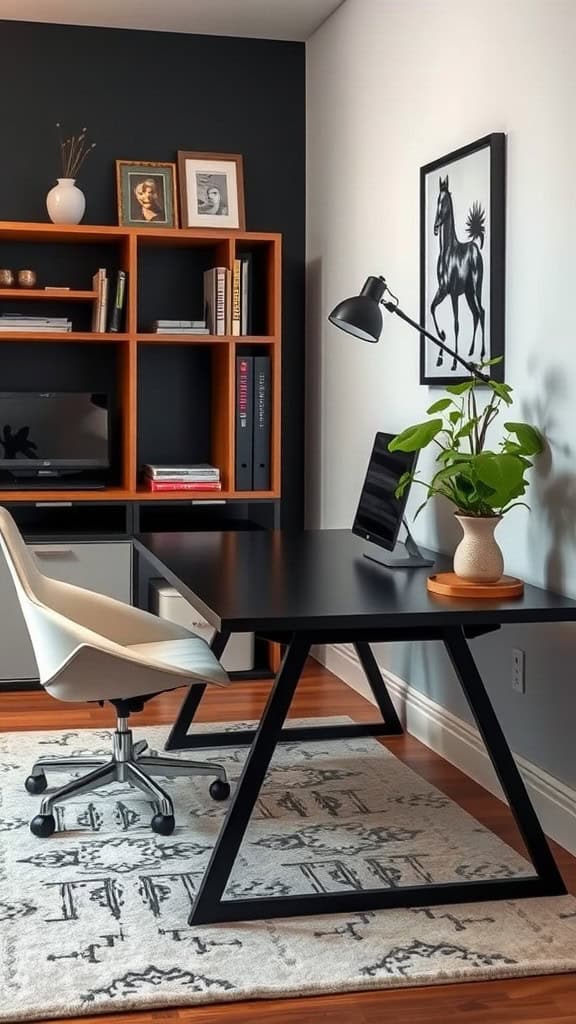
x: 460, y: 744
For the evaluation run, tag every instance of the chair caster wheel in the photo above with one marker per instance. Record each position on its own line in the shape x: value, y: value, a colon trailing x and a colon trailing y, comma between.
x: 163, y: 824
x: 36, y: 783
x: 43, y: 825
x: 219, y: 789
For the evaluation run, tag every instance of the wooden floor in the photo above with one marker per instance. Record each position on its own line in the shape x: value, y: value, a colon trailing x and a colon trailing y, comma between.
x: 534, y: 1000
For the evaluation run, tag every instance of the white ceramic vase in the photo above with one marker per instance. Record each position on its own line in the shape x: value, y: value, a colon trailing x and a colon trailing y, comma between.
x: 65, y: 202
x: 478, y: 557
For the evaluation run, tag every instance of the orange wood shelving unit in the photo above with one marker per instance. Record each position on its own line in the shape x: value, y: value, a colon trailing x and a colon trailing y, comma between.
x: 130, y: 245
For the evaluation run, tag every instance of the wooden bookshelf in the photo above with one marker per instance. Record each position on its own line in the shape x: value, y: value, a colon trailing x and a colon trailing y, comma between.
x: 156, y: 260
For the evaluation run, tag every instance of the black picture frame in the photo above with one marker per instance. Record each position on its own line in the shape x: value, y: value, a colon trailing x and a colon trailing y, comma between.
x: 496, y: 242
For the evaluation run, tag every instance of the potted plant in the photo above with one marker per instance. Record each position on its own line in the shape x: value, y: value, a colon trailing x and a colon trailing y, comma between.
x: 481, y: 483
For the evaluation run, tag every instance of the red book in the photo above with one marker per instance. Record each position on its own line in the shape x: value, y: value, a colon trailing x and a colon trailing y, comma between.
x: 173, y: 485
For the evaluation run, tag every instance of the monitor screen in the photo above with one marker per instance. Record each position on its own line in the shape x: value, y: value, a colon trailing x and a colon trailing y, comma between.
x: 66, y: 429
x: 379, y: 513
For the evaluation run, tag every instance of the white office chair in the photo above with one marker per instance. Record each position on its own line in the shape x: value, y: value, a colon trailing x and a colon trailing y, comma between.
x: 92, y: 648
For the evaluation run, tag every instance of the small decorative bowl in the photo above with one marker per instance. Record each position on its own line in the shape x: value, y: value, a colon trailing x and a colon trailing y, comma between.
x: 26, y: 278
x: 6, y: 278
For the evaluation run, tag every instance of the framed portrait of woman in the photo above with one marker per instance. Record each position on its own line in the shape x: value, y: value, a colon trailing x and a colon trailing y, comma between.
x: 146, y: 194
x: 211, y: 190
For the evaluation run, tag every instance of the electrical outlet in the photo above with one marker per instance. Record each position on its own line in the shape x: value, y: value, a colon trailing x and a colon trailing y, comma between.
x: 518, y: 671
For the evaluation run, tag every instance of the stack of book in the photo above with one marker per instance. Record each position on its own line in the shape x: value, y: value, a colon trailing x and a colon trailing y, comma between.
x: 101, y: 286
x: 179, y: 327
x: 17, y: 322
x: 199, y: 477
x: 228, y: 298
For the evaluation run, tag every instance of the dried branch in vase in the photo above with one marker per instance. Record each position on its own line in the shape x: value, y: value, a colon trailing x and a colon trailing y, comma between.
x: 73, y: 151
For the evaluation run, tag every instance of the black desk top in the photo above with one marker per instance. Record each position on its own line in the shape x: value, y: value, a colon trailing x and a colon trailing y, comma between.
x: 275, y: 580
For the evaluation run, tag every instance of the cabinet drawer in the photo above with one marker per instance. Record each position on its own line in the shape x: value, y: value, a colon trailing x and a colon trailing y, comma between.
x: 105, y: 568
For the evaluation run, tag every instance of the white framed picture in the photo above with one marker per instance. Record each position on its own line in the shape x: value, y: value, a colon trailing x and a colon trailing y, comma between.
x: 211, y: 190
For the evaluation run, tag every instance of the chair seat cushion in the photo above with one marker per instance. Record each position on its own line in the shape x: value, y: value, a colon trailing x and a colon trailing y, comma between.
x: 191, y: 654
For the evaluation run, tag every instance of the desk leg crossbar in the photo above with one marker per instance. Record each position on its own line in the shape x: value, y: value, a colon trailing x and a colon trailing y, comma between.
x: 210, y: 906
x: 181, y: 739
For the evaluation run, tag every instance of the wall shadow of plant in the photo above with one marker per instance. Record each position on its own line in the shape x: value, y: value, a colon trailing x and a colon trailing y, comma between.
x: 555, y: 494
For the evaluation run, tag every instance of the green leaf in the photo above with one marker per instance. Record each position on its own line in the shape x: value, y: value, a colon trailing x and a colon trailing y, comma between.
x: 439, y: 406
x: 404, y: 482
x: 503, y: 473
x: 529, y: 439
x: 502, y: 390
x: 414, y: 438
x: 492, y: 362
x: 455, y: 415
x: 460, y: 389
x: 467, y: 429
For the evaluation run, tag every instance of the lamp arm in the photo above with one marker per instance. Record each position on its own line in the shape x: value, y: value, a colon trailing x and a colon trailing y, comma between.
x: 393, y: 307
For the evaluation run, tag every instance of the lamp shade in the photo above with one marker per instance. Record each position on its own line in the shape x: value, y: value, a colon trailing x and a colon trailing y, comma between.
x: 360, y: 315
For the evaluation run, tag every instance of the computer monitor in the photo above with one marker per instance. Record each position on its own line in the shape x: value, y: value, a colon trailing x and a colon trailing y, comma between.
x: 380, y: 513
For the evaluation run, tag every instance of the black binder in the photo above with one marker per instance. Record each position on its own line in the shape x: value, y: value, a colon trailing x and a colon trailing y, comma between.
x: 244, y: 421
x: 261, y: 476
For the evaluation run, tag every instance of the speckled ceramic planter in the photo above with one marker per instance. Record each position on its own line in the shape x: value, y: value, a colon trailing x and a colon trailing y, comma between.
x: 478, y: 557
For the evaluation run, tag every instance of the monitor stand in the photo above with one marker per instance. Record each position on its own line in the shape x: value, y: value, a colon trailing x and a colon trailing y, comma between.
x: 415, y: 559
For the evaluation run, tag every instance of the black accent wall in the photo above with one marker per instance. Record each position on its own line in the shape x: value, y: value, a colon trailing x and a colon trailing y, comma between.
x: 143, y: 96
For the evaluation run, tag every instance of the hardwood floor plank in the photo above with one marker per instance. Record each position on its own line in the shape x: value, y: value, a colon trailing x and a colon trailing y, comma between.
x: 540, y: 1000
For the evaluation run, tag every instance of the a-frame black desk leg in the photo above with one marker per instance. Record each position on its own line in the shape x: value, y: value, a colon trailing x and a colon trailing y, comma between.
x: 378, y: 687
x: 504, y: 764
x: 389, y: 725
x: 236, y: 822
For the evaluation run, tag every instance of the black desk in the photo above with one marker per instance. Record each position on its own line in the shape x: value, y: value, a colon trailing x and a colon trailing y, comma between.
x: 315, y: 587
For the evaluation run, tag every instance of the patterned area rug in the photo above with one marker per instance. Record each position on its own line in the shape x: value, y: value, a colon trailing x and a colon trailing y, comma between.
x: 95, y: 919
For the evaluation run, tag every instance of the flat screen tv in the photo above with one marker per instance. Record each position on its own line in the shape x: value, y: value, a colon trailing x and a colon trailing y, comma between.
x: 53, y: 433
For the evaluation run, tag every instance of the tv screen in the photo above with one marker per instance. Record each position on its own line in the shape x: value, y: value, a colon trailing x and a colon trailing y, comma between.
x: 379, y: 514
x: 61, y: 429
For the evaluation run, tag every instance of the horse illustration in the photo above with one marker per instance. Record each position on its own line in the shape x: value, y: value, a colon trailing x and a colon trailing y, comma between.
x: 460, y: 267
x: 18, y: 443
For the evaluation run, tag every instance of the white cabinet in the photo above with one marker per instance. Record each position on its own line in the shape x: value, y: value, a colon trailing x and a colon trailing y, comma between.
x: 103, y: 567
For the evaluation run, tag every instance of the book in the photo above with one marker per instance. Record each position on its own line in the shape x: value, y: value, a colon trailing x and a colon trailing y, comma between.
x: 180, y: 330
x: 98, y: 287
x: 56, y: 287
x: 236, y: 272
x: 170, y: 324
x: 246, y: 325
x: 117, y: 310
x: 221, y: 300
x: 215, y: 301
x: 262, y: 404
x: 173, y: 485
x: 201, y: 470
x: 244, y: 421
x: 35, y: 329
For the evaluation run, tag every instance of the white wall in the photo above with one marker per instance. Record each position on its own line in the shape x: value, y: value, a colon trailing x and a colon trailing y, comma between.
x: 393, y: 84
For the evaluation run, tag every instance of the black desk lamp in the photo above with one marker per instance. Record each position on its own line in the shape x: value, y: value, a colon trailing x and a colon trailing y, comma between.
x: 361, y: 316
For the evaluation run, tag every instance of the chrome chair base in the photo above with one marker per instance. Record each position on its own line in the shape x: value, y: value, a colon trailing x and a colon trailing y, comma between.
x: 131, y: 762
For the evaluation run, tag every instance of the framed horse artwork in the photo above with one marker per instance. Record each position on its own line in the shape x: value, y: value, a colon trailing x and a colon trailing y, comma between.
x: 462, y: 259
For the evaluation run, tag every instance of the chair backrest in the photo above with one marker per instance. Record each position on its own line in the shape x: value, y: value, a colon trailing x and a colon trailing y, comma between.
x: 53, y: 639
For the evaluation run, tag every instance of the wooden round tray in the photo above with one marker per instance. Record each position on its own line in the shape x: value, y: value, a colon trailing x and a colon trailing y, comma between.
x: 450, y: 585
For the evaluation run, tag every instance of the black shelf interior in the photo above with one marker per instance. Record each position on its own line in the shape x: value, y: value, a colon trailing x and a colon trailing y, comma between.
x: 74, y: 521
x: 171, y: 282
x: 174, y: 404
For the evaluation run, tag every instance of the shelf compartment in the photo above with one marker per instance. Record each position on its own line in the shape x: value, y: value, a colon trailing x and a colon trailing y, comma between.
x: 185, y: 406
x: 265, y: 288
x: 31, y: 366
x: 48, y: 296
x: 45, y: 518
x: 171, y: 279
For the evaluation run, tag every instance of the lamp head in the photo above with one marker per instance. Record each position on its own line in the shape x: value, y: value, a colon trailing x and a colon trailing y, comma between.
x: 360, y: 315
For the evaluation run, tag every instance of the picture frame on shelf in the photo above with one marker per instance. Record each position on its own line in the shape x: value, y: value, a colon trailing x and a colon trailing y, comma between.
x: 211, y: 190
x: 146, y: 194
x: 462, y: 258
